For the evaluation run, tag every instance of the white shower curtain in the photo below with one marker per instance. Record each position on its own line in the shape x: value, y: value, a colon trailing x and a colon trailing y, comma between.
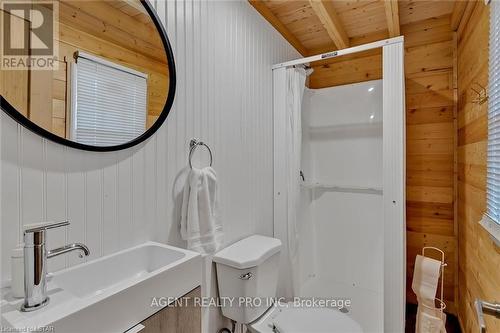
x: 295, y: 79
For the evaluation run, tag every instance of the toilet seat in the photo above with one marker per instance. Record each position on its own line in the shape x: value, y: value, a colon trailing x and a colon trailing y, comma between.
x: 291, y: 319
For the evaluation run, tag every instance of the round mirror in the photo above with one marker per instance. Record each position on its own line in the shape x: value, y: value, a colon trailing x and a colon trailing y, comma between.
x: 90, y: 74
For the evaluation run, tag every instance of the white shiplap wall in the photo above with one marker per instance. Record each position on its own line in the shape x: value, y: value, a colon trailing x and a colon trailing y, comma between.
x: 223, y: 51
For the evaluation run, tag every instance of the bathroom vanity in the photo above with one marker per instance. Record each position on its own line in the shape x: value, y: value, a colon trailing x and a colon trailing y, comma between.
x: 174, y: 319
x: 117, y: 292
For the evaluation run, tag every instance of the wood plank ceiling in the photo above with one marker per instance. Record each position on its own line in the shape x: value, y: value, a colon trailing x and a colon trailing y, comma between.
x: 316, y: 26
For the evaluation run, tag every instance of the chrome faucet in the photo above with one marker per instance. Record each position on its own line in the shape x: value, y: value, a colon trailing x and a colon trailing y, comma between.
x: 35, y: 263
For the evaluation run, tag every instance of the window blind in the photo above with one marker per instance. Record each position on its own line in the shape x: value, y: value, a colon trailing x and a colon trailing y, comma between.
x: 491, y: 220
x: 109, y: 103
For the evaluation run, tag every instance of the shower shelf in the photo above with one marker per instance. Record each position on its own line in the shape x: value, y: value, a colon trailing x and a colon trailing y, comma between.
x: 345, y: 189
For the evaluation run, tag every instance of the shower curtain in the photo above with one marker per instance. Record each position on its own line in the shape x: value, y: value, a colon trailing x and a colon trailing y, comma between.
x: 295, y: 79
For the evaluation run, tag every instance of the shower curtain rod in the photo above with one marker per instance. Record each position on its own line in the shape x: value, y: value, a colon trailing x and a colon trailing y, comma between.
x: 342, y: 52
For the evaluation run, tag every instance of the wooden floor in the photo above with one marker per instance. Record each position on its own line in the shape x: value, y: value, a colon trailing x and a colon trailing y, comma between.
x: 452, y: 325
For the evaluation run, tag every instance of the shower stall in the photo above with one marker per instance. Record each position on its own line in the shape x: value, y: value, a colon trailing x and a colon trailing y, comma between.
x: 339, y: 188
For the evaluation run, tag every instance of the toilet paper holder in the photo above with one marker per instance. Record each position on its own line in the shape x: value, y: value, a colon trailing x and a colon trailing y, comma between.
x: 440, y: 300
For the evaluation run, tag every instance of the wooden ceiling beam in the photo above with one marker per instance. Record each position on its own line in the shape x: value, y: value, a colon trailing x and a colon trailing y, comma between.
x: 392, y: 16
x: 327, y: 15
x: 261, y: 7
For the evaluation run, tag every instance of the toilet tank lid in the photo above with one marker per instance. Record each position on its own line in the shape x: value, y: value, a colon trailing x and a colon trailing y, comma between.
x: 248, y: 252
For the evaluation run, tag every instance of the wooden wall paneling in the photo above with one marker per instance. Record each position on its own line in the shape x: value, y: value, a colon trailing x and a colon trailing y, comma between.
x: 415, y: 11
x: 129, y: 23
x: 350, y: 68
x: 469, y: 9
x: 14, y: 84
x: 430, y: 146
x: 59, y: 102
x: 458, y: 12
x: 455, y: 158
x: 71, y: 39
x: 432, y: 30
x: 345, y: 72
x: 40, y: 98
x: 479, y: 258
x: 131, y: 7
x: 429, y: 57
x: 110, y: 24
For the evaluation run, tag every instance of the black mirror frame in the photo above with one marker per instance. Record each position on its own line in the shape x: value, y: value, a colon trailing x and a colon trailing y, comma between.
x: 13, y: 113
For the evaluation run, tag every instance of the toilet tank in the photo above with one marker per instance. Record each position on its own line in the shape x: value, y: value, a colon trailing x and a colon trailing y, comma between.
x: 247, y: 275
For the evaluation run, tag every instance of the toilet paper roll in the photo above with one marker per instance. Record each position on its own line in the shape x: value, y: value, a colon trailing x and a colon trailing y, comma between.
x: 425, y: 279
x: 430, y: 321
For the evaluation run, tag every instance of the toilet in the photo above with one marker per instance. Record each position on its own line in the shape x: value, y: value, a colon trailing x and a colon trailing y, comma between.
x: 247, y: 274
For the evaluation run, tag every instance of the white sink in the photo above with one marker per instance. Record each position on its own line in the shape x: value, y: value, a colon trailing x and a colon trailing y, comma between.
x: 112, y: 293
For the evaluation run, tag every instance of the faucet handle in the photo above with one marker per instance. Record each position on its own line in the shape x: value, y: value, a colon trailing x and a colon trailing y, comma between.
x: 38, y: 227
x: 34, y: 234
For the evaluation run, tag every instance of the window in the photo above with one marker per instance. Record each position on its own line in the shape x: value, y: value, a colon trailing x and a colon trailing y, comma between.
x: 491, y: 220
x: 109, y: 102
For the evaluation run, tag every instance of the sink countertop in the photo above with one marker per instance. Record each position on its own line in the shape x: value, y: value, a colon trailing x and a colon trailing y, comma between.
x: 132, y: 277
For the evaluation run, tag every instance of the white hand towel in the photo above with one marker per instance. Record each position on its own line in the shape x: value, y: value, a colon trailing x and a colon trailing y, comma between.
x: 425, y: 279
x: 430, y: 320
x: 200, y: 223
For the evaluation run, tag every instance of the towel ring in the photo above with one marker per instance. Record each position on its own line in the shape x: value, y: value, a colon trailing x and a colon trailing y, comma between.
x: 192, y: 147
